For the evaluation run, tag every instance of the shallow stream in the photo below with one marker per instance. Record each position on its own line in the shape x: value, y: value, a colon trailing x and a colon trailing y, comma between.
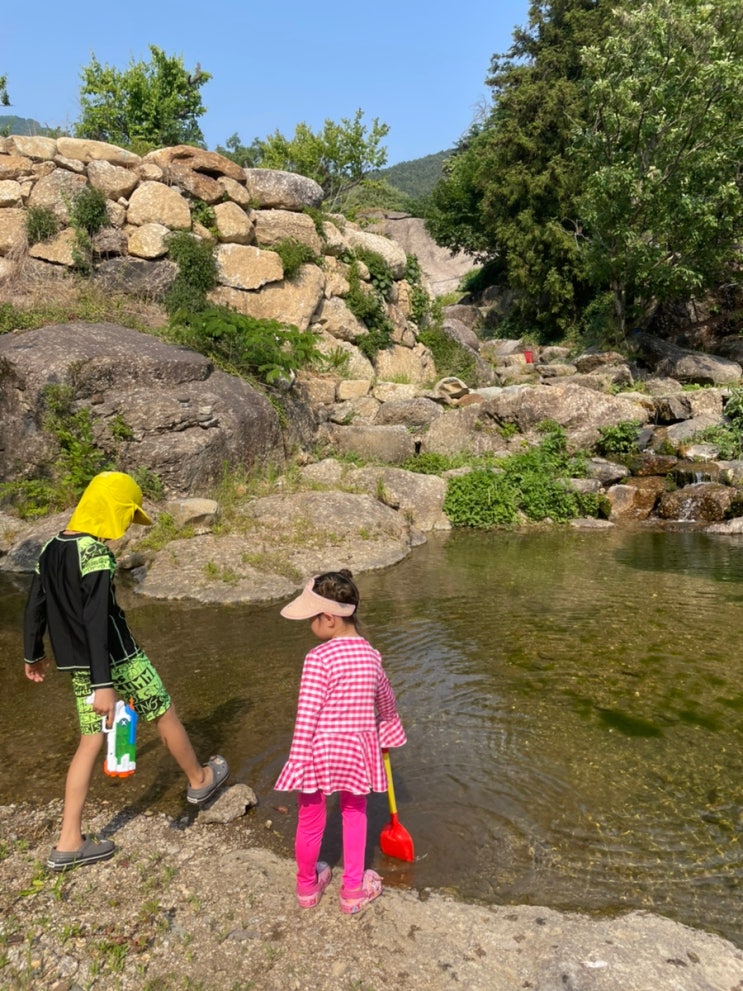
x: 573, y: 702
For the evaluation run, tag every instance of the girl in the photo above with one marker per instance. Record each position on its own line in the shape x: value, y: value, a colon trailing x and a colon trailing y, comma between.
x: 346, y: 713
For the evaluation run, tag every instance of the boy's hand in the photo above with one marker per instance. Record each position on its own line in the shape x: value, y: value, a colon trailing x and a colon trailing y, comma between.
x: 37, y: 670
x: 104, y: 704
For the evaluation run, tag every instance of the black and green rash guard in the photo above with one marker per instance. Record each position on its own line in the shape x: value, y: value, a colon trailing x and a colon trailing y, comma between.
x: 72, y: 594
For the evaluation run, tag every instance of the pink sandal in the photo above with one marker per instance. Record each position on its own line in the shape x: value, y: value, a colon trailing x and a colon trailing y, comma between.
x: 356, y: 901
x: 310, y: 898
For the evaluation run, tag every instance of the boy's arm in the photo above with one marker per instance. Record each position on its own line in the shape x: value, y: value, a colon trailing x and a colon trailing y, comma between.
x: 96, y: 585
x: 34, y: 623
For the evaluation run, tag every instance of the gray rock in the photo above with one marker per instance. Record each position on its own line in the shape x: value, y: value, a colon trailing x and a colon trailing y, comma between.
x: 229, y: 804
x: 701, y: 502
x: 142, y: 279
x: 185, y: 419
x: 274, y: 189
x: 391, y: 444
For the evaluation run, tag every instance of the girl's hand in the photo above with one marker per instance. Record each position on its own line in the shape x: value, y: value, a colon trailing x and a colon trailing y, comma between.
x: 37, y: 670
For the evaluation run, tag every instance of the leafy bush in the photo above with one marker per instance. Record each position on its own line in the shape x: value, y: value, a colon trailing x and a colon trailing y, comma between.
x: 449, y: 356
x: 265, y: 349
x: 293, y: 255
x: 80, y: 458
x: 379, y: 271
x: 368, y: 307
x: 421, y: 305
x: 530, y: 484
x: 726, y: 438
x: 481, y: 499
x: 202, y: 213
x: 618, y: 440
x: 12, y: 318
x: 150, y: 483
x: 41, y: 224
x: 31, y: 498
x: 197, y: 274
x: 428, y: 463
x: 734, y: 409
x: 88, y: 211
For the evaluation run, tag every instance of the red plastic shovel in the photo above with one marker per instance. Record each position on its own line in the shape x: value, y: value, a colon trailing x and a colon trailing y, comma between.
x: 394, y: 840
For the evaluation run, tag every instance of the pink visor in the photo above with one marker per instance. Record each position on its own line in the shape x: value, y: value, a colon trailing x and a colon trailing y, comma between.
x: 310, y: 604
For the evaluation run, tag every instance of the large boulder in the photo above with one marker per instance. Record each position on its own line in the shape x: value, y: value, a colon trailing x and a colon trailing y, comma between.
x: 579, y: 411
x: 287, y: 541
x: 442, y: 269
x: 152, y: 405
x: 274, y: 189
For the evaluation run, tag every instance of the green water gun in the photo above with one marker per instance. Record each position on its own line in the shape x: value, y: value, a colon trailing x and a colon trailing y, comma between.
x: 121, y: 753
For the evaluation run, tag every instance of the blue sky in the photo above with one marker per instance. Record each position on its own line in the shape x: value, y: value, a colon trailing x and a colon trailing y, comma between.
x: 418, y: 67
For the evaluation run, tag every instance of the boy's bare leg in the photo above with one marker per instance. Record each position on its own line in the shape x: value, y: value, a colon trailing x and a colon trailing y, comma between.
x: 76, y: 791
x: 174, y: 736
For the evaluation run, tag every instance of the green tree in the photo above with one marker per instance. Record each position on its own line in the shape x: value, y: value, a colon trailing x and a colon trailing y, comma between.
x: 338, y: 157
x: 4, y: 98
x: 662, y: 154
x: 246, y: 156
x: 509, y: 192
x: 151, y: 104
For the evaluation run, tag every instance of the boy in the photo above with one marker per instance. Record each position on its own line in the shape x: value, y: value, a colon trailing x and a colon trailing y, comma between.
x: 72, y: 594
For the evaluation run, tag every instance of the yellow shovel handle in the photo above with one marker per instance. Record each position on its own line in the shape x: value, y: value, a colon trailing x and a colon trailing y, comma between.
x: 390, y: 786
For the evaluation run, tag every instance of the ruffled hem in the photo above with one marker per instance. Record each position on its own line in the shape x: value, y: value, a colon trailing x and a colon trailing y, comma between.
x: 356, y: 767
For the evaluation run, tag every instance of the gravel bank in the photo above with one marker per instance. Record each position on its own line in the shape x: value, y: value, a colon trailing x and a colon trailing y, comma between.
x: 191, y: 905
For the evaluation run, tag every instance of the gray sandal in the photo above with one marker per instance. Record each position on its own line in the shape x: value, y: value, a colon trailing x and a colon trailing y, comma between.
x: 220, y: 773
x: 90, y: 852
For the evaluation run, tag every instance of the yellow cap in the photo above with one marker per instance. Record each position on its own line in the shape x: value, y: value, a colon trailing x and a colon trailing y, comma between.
x: 109, y: 505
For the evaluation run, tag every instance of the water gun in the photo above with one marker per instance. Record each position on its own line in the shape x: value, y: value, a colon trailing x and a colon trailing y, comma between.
x: 121, y: 755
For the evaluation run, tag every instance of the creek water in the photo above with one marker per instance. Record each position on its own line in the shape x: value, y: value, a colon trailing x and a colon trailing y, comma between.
x: 573, y: 702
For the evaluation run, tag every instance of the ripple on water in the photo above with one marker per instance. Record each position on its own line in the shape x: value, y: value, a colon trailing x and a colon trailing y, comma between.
x: 572, y: 703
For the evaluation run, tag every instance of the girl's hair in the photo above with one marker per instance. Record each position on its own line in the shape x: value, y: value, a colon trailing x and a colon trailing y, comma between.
x: 340, y: 587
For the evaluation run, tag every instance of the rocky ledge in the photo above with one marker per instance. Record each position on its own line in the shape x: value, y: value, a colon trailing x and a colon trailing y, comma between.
x: 195, y: 902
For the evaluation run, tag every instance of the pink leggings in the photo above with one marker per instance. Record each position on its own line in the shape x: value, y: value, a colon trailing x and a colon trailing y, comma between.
x: 310, y: 828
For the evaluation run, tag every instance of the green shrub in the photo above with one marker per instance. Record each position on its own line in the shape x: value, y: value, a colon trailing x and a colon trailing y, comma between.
x: 726, y: 438
x: 530, y: 484
x: 482, y: 499
x: 293, y: 255
x: 734, y: 409
x: 120, y: 429
x: 88, y: 210
x: 12, y: 318
x: 368, y: 307
x: 618, y: 440
x: 449, y: 356
x: 31, y: 499
x: 265, y: 349
x: 41, y: 224
x: 421, y: 305
x: 150, y: 483
x: 80, y: 458
x: 197, y: 274
x: 428, y: 463
x: 202, y: 213
x: 380, y: 273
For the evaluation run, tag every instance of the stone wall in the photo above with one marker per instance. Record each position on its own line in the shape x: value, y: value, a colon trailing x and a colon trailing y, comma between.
x: 148, y: 197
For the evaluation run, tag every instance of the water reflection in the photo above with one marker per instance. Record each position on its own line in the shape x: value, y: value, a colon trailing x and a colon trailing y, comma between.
x: 573, y: 703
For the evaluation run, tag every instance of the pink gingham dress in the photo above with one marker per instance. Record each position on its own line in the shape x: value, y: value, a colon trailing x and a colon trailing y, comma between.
x: 346, y: 713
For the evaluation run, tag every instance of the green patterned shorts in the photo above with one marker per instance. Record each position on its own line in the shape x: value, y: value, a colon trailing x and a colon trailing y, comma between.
x: 134, y: 679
